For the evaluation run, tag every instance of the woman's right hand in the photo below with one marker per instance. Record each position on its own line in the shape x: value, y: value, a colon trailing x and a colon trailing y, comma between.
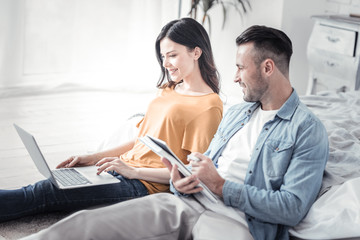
x: 78, y: 161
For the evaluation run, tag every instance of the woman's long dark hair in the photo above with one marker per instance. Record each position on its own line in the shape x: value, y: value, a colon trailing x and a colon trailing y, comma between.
x: 188, y: 32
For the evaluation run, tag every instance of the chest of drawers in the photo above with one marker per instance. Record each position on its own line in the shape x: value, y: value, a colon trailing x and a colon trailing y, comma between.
x: 333, y: 54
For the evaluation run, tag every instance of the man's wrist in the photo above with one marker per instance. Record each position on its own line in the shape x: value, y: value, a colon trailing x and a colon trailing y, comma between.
x: 218, y: 190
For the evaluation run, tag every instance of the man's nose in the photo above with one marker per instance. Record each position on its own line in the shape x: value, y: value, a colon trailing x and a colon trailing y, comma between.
x: 237, y: 78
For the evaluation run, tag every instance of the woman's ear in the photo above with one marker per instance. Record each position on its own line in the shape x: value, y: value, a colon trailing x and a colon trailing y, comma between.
x: 197, y: 53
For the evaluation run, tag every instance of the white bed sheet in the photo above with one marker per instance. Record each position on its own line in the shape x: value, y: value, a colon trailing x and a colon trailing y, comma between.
x: 336, y: 213
x: 340, y: 113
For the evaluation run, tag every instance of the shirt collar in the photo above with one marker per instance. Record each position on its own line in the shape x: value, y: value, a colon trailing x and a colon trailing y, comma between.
x: 287, y: 109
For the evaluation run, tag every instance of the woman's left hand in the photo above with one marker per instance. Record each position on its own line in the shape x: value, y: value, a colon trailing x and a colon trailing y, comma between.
x: 115, y: 164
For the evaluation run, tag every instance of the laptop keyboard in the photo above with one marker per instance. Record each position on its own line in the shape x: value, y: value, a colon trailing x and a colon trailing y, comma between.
x: 69, y: 177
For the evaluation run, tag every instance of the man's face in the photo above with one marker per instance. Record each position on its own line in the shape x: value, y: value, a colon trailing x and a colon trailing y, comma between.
x: 249, y: 74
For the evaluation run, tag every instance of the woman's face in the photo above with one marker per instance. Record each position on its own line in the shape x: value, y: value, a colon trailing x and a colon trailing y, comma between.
x: 177, y: 59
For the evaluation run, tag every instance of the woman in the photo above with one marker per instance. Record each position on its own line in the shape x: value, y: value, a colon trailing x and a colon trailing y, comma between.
x: 185, y: 114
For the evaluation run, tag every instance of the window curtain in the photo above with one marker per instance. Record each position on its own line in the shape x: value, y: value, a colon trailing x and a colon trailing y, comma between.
x: 97, y: 43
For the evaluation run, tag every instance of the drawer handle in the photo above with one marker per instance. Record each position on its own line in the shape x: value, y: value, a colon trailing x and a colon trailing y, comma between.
x: 342, y: 89
x: 330, y: 64
x: 333, y: 40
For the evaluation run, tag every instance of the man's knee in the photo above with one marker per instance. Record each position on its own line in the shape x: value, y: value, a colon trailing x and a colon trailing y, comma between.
x: 211, y: 225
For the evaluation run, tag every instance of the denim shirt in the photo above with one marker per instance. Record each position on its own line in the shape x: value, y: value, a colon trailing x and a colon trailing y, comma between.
x: 285, y: 171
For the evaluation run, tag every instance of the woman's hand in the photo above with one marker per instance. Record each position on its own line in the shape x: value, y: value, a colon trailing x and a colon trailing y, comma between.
x: 78, y: 161
x: 116, y: 164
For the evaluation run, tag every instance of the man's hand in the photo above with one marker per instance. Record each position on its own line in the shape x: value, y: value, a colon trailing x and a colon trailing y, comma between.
x: 203, y: 170
x: 187, y: 185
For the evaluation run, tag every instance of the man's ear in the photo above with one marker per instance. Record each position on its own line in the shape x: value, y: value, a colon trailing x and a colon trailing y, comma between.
x: 197, y: 53
x: 268, y: 66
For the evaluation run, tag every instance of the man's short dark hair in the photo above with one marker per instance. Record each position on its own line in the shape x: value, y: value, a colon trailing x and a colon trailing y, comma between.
x: 268, y: 43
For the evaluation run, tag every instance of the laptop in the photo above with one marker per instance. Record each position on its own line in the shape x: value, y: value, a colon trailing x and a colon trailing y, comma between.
x: 63, y: 178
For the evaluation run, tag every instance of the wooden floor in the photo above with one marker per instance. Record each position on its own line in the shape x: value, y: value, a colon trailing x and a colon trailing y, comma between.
x: 64, y: 124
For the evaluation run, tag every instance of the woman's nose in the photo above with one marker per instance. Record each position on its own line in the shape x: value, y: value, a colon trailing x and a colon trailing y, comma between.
x: 165, y: 63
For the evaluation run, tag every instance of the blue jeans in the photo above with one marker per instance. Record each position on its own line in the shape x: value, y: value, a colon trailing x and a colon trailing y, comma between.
x: 43, y: 197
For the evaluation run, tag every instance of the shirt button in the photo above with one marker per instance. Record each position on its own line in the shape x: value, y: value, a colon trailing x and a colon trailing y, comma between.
x: 266, y: 129
x: 250, y: 172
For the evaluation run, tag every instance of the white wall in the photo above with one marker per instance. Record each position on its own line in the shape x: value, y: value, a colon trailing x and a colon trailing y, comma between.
x: 111, y: 42
x: 11, y: 41
x: 102, y: 43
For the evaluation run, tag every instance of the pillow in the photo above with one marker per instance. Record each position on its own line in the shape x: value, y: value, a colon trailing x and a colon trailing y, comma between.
x: 125, y: 132
x: 336, y: 214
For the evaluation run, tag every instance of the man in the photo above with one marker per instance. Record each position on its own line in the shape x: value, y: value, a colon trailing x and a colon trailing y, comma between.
x: 265, y: 163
